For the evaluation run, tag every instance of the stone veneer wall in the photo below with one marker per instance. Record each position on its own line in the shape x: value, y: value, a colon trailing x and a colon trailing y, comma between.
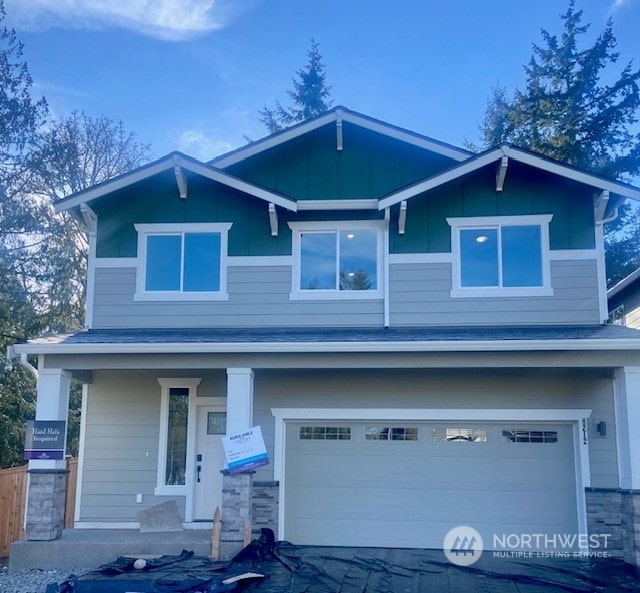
x: 604, y: 516
x: 630, y: 508
x: 46, y: 504
x: 266, y: 496
x: 236, y: 511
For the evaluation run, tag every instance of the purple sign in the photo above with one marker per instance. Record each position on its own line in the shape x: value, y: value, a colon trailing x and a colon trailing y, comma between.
x: 45, y: 439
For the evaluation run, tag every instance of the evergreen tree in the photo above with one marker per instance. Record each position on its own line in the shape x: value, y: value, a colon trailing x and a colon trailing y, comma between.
x: 43, y: 255
x: 567, y: 112
x: 20, y: 239
x: 310, y: 95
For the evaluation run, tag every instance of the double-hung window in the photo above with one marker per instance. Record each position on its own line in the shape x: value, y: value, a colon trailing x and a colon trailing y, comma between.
x: 337, y: 260
x: 182, y: 262
x: 501, y: 256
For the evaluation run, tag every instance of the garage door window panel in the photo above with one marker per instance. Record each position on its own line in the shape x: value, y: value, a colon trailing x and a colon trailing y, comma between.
x: 529, y: 436
x: 458, y: 434
x: 325, y: 433
x: 391, y: 433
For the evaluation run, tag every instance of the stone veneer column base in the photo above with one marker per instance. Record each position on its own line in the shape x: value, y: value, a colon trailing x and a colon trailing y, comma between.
x: 46, y: 504
x: 237, y: 494
x: 266, y: 497
x: 604, y: 517
x: 631, y: 525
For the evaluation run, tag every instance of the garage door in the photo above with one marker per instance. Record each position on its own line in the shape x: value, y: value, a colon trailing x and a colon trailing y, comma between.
x: 394, y: 484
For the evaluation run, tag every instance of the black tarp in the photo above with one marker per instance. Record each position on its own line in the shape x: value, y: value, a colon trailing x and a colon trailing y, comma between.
x: 310, y: 569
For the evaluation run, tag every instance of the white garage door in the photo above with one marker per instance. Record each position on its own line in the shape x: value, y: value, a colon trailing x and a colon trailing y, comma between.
x: 397, y: 484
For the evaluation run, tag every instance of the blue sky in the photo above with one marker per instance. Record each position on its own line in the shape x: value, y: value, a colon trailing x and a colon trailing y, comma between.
x: 191, y: 75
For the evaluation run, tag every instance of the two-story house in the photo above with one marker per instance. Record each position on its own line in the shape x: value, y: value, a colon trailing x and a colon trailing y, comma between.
x: 419, y: 331
x: 624, y: 301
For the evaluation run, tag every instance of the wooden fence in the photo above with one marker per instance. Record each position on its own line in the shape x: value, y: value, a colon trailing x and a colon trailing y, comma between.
x: 13, y: 495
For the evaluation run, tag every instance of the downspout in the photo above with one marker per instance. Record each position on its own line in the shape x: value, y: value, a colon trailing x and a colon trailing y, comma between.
x: 24, y: 360
x: 385, y: 247
x: 602, y: 271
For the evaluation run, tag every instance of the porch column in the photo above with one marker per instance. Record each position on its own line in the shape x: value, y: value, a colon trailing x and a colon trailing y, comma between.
x: 237, y: 490
x: 627, y: 408
x: 239, y: 399
x: 47, y: 489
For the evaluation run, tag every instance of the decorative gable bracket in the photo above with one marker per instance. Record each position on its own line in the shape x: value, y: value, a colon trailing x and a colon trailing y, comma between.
x: 273, y: 219
x: 402, y: 217
x: 181, y: 180
x: 600, y: 205
x: 501, y: 173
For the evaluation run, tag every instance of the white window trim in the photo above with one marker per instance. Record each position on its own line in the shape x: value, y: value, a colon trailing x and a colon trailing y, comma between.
x: 458, y: 224
x: 298, y: 228
x: 161, y: 488
x: 144, y: 230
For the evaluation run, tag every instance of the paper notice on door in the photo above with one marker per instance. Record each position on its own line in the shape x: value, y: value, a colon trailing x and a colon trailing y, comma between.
x: 245, y: 451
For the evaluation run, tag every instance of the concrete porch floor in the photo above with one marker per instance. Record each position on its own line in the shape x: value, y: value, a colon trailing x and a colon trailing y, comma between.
x: 90, y: 548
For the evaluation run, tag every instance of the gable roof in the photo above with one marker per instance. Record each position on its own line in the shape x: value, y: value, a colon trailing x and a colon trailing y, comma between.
x: 517, y: 154
x: 337, y: 115
x: 166, y: 163
x: 626, y: 282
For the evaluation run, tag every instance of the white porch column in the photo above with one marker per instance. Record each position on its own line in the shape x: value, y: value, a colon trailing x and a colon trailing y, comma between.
x: 239, y: 399
x: 237, y: 490
x: 48, y: 477
x: 627, y: 405
x: 52, y: 404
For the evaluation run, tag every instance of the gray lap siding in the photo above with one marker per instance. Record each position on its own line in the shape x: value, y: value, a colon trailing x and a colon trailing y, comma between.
x: 419, y: 294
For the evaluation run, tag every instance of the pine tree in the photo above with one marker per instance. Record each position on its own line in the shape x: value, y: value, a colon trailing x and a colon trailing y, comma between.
x: 310, y: 95
x: 567, y: 112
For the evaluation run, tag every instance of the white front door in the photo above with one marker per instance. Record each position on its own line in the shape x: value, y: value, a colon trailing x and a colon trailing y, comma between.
x: 211, y: 427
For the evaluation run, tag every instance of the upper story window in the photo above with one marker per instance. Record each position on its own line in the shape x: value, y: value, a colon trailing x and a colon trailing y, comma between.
x: 617, y: 316
x: 337, y: 260
x: 501, y: 256
x: 185, y: 262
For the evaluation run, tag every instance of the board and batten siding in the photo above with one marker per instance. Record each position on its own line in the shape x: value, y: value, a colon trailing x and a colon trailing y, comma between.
x: 419, y: 295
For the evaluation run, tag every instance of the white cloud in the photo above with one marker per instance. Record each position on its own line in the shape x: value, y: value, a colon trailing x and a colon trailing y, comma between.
x: 618, y: 4
x: 202, y: 145
x: 172, y: 20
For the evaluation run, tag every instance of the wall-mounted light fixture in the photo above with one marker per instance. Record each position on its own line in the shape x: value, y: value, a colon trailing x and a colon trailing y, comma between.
x: 601, y: 428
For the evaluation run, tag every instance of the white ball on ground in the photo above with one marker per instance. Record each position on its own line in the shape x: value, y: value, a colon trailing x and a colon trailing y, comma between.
x: 139, y: 564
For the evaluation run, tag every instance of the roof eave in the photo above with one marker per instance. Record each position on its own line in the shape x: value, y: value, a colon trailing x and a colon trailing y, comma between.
x: 491, y: 156
x: 165, y: 164
x: 340, y: 112
x: 328, y: 347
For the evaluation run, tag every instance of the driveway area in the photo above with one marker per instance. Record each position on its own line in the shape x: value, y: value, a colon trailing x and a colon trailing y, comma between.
x: 309, y: 569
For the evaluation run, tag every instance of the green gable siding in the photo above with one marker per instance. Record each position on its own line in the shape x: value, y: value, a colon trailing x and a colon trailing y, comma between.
x: 157, y: 201
x: 369, y: 166
x: 526, y: 191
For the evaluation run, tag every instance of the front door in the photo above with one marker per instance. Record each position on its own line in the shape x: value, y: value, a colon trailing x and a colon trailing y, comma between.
x: 211, y: 427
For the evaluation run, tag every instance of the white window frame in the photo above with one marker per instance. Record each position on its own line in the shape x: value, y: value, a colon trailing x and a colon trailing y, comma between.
x: 145, y: 230
x: 470, y: 223
x: 298, y: 228
x: 166, y: 384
